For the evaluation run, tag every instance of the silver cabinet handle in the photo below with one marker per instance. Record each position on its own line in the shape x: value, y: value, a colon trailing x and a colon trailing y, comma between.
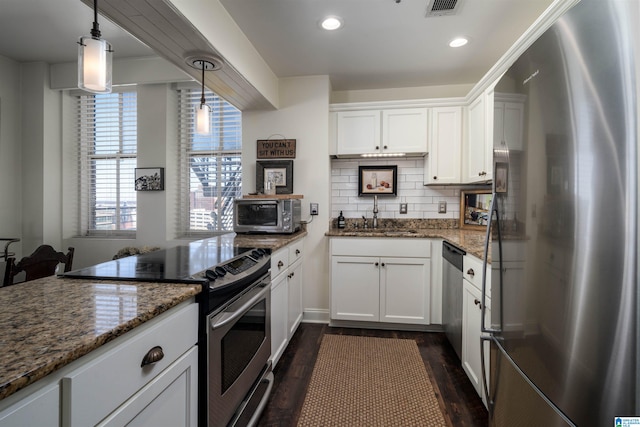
x: 470, y: 272
x: 154, y: 355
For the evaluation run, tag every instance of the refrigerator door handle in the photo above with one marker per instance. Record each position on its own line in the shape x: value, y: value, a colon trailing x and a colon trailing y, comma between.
x: 492, y: 209
x: 485, y: 384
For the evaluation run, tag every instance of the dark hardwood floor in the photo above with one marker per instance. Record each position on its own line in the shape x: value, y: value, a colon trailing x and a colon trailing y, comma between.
x: 457, y: 397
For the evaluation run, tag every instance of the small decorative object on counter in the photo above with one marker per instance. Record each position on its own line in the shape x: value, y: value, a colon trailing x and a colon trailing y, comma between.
x: 340, y: 220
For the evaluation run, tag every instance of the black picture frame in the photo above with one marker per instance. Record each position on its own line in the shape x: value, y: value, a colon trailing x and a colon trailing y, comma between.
x: 379, y: 180
x: 280, y: 170
x: 149, y: 179
x: 501, y: 177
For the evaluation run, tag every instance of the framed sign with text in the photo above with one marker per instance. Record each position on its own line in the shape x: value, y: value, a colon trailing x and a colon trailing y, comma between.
x: 276, y: 149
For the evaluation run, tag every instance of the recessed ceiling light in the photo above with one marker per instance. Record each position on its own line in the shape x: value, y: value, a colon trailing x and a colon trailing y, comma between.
x: 458, y: 41
x: 331, y: 23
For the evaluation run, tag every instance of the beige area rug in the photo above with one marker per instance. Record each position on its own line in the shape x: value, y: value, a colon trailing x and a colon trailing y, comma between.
x: 367, y: 381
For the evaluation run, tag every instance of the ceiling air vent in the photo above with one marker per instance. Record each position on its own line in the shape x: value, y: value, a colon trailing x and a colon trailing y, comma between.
x: 443, y: 7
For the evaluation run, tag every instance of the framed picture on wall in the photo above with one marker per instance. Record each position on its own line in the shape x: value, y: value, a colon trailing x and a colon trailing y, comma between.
x: 501, y: 175
x: 279, y: 172
x: 380, y: 180
x: 149, y: 179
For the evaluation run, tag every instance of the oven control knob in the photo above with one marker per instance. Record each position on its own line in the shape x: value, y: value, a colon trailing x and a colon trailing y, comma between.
x: 256, y: 254
x: 211, y: 275
x: 220, y: 271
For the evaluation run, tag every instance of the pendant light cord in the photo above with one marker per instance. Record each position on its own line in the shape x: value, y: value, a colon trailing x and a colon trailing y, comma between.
x: 202, y: 99
x: 95, y: 31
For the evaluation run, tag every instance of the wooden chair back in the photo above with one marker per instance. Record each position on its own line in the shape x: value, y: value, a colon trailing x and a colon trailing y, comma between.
x: 41, y: 263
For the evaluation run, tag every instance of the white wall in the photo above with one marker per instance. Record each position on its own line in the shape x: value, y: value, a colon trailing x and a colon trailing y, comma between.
x: 400, y: 94
x: 10, y: 153
x: 304, y: 116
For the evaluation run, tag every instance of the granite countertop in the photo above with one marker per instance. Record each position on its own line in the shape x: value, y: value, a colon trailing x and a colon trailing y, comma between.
x: 50, y: 322
x: 472, y: 241
x: 271, y: 241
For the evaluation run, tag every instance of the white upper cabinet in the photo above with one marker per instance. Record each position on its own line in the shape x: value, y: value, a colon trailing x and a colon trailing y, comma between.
x: 379, y: 132
x: 404, y: 130
x: 358, y: 132
x: 445, y: 144
x: 508, y: 118
x: 478, y: 147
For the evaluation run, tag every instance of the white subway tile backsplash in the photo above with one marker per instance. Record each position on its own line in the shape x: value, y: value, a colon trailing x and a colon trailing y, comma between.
x: 422, y: 201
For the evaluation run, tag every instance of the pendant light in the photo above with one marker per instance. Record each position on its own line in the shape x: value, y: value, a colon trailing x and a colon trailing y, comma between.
x: 94, y: 59
x: 203, y: 121
x: 203, y: 62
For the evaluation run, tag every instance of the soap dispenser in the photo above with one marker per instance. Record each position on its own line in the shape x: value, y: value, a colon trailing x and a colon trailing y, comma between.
x: 340, y: 220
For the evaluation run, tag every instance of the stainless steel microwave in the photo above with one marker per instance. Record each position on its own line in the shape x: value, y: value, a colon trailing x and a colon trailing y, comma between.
x: 266, y: 215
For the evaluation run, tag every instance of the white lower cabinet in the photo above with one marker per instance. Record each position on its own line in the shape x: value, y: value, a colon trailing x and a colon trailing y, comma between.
x: 472, y: 345
x: 41, y: 408
x: 389, y: 289
x: 117, y: 381
x: 279, y: 310
x: 286, y: 296
x: 169, y: 399
x: 109, y: 387
x: 355, y: 288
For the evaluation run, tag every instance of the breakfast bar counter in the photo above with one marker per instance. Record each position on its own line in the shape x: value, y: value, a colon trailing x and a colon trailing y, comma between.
x: 50, y: 322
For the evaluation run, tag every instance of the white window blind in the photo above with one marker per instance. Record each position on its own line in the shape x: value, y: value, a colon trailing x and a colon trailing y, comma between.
x: 107, y: 135
x: 210, y: 166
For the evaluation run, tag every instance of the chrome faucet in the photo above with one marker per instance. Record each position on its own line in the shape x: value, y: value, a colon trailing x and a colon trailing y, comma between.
x: 375, y: 211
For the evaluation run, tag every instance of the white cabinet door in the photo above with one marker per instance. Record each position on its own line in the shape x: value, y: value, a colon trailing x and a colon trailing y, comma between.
x: 295, y: 297
x: 471, y: 315
x: 404, y: 130
x: 171, y: 399
x: 444, y: 158
x: 508, y: 120
x: 279, y: 311
x: 404, y: 290
x: 355, y: 288
x: 476, y: 163
x: 41, y: 408
x: 358, y: 132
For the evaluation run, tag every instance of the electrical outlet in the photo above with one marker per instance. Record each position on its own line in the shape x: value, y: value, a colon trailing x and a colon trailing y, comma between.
x: 403, y: 208
x: 442, y: 207
x: 313, y: 210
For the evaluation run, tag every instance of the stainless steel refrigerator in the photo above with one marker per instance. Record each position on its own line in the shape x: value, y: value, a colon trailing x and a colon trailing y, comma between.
x: 564, y: 292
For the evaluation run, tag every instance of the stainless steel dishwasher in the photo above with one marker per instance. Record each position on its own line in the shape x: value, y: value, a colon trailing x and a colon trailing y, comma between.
x: 452, y: 294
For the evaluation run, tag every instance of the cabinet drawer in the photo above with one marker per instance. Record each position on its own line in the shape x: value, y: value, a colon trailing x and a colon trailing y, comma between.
x: 295, y: 251
x: 378, y: 247
x: 472, y: 271
x: 101, y: 385
x: 279, y: 262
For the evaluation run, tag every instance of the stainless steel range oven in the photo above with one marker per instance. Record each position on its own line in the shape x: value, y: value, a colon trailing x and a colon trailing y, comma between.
x: 239, y: 348
x: 234, y: 327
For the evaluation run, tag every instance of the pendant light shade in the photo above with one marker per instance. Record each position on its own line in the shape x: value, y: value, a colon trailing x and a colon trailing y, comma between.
x: 94, y: 60
x: 203, y: 120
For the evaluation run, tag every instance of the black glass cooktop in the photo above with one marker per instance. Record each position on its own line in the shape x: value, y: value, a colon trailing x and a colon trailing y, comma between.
x: 177, y: 264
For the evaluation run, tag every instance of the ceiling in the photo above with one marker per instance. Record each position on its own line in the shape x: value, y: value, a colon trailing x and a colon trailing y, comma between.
x: 383, y: 44
x: 48, y: 30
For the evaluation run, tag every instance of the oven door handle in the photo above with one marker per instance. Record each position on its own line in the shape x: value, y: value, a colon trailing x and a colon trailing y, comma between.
x: 227, y: 317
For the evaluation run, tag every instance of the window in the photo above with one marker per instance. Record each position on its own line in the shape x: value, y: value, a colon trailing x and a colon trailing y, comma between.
x: 107, y: 135
x: 210, y: 166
